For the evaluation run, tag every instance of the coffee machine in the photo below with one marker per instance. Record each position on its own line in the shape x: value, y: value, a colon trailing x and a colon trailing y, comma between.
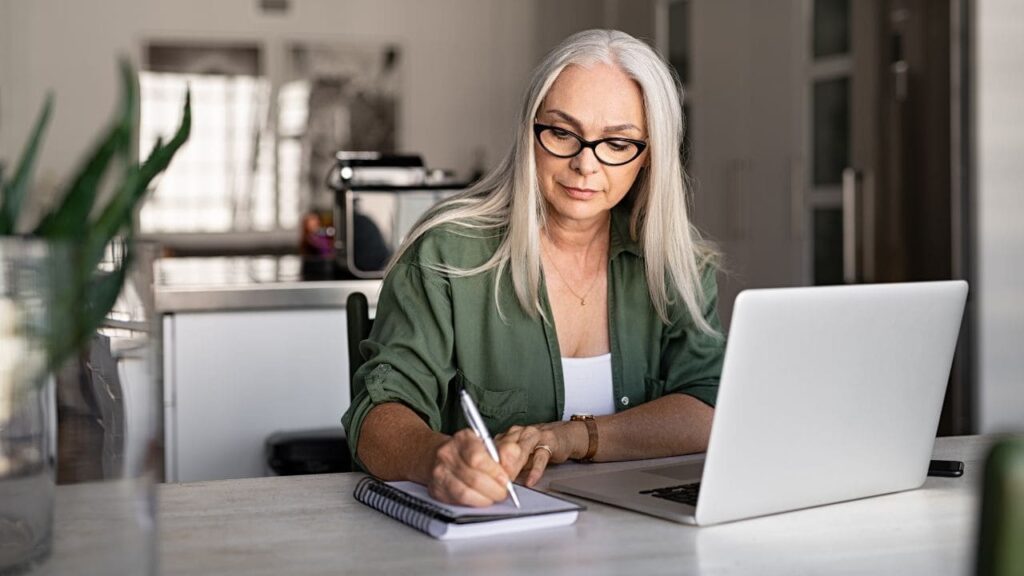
x: 378, y: 199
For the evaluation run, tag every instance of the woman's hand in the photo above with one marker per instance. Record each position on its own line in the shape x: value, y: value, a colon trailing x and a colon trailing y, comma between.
x: 464, y: 473
x: 540, y: 445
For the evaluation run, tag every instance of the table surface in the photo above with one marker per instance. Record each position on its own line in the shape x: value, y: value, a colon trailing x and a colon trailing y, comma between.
x: 303, y: 525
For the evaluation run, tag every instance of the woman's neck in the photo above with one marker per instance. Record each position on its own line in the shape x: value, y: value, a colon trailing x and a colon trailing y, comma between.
x: 574, y: 236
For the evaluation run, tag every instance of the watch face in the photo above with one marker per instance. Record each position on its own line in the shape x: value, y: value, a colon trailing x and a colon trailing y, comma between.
x: 582, y: 417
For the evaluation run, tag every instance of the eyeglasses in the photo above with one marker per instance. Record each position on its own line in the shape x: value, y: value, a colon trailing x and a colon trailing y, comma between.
x: 562, y: 143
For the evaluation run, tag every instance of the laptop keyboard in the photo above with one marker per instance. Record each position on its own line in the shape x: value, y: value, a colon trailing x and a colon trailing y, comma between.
x: 685, y: 493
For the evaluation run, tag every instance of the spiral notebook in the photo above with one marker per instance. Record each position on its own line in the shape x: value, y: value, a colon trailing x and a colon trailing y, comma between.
x: 409, y: 502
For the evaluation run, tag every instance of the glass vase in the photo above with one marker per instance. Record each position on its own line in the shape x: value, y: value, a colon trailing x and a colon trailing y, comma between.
x: 27, y: 440
x: 97, y: 424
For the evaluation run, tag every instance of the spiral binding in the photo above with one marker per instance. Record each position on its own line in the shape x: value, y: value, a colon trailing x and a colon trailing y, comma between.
x: 399, y: 505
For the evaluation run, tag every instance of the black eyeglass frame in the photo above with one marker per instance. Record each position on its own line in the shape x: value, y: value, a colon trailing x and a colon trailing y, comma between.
x: 539, y: 128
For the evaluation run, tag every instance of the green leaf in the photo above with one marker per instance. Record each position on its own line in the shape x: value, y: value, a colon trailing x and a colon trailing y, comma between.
x: 82, y: 301
x: 98, y: 237
x: 136, y: 183
x: 102, y: 292
x: 66, y: 291
x: 14, y: 193
x: 71, y: 217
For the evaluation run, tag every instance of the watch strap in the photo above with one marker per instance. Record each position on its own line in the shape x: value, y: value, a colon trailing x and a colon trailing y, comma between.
x: 591, y: 424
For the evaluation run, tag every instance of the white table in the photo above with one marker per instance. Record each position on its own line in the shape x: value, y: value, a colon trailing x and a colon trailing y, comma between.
x: 312, y: 525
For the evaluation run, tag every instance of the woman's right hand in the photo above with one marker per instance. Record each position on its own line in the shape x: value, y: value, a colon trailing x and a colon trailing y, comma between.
x: 464, y: 473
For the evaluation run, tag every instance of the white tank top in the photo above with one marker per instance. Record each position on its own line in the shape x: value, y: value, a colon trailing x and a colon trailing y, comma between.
x: 588, y: 386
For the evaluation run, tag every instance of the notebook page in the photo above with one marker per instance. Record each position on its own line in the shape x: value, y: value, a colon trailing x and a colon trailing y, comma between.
x: 533, y: 502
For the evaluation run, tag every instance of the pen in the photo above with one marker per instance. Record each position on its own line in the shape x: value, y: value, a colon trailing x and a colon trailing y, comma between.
x: 478, y: 426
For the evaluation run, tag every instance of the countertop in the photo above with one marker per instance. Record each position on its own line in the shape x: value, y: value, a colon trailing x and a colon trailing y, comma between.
x: 248, y: 283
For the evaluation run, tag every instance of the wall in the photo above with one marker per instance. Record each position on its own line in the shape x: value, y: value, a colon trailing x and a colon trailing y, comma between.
x: 554, y: 20
x: 999, y: 147
x: 5, y: 50
x: 465, y: 63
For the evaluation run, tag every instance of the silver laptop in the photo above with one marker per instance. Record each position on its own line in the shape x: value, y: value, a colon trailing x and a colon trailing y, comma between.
x: 827, y: 394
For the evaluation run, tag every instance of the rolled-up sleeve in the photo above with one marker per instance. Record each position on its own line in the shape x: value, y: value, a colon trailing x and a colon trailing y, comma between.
x: 408, y: 355
x: 691, y: 361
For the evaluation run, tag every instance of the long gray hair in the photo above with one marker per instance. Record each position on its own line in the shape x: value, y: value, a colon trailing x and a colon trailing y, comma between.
x: 508, y: 199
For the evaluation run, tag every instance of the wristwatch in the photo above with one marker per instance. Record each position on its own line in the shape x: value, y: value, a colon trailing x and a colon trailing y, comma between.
x: 591, y: 424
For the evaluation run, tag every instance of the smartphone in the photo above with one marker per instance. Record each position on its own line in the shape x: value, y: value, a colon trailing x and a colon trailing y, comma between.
x: 946, y: 468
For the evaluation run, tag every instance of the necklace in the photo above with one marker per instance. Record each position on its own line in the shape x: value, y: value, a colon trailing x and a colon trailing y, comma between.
x: 583, y: 298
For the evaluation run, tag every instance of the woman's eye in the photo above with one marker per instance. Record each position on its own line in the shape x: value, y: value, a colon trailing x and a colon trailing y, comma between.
x: 618, y: 146
x: 562, y: 134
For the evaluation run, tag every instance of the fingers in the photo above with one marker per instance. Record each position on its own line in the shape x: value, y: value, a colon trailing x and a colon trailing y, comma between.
x: 526, y: 437
x: 445, y: 487
x: 513, y: 458
x: 533, y: 460
x: 465, y: 474
x: 538, y: 463
x: 513, y: 431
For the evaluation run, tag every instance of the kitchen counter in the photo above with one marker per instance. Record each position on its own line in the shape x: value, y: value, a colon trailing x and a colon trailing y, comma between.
x: 248, y: 283
x: 253, y: 338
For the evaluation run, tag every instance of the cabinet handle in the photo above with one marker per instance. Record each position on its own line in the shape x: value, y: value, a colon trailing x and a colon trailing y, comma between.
x: 851, y: 220
x: 796, y: 199
x: 736, y: 190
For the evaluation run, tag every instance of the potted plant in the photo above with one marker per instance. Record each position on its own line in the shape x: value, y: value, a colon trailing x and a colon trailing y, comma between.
x: 54, y: 294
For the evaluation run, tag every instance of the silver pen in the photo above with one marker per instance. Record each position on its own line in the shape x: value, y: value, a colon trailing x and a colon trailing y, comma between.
x: 476, y: 422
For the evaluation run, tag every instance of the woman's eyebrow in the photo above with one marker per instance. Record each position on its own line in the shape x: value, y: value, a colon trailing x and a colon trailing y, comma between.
x: 576, y: 123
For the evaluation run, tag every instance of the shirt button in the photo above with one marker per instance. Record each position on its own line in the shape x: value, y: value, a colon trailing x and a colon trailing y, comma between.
x: 625, y: 400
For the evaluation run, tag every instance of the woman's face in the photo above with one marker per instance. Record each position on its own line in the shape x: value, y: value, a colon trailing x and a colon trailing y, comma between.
x: 596, y: 102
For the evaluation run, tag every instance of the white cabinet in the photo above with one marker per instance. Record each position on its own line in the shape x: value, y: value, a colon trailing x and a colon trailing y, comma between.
x: 232, y: 378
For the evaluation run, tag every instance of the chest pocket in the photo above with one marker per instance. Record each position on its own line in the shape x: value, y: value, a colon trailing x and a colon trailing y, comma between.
x: 499, y: 408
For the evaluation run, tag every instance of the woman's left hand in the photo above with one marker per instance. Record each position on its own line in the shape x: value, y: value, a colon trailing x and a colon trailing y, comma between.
x: 540, y: 445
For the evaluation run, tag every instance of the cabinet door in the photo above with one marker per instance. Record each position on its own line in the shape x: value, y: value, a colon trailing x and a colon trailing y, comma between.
x: 744, y: 99
x: 233, y: 378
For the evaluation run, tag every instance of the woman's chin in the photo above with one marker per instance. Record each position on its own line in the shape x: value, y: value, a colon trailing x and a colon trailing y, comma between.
x: 581, y: 210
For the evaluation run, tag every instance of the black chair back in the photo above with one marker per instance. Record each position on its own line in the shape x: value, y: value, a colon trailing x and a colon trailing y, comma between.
x: 357, y: 312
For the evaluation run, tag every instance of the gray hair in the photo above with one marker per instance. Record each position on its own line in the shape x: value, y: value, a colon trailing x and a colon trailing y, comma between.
x: 509, y: 197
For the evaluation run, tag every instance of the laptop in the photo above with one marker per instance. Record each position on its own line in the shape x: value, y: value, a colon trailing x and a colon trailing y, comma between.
x: 827, y: 394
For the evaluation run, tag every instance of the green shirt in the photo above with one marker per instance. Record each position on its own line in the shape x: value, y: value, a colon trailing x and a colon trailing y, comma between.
x: 434, y: 332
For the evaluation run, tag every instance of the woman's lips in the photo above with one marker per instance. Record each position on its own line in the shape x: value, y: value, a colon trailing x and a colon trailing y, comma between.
x: 579, y: 193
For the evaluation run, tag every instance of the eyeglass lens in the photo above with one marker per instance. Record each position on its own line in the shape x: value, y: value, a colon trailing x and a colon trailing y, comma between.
x: 565, y: 144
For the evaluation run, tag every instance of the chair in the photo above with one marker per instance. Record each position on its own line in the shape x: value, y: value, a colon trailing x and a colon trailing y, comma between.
x: 323, y: 450
x: 357, y: 312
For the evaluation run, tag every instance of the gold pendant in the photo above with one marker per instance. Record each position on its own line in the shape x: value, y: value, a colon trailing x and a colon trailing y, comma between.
x: 583, y: 302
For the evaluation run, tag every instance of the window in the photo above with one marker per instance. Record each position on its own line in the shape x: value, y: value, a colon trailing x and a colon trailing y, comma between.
x: 223, y: 179
x: 262, y: 141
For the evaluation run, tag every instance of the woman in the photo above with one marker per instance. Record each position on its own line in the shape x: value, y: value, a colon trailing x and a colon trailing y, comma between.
x: 566, y: 291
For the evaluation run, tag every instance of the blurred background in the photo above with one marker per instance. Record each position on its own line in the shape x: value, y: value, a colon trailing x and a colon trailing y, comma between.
x: 829, y: 141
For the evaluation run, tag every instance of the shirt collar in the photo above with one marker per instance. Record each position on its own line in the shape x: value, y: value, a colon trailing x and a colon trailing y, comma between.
x: 621, y: 241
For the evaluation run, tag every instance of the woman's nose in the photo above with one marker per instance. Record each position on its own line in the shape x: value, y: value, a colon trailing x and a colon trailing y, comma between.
x: 585, y: 162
